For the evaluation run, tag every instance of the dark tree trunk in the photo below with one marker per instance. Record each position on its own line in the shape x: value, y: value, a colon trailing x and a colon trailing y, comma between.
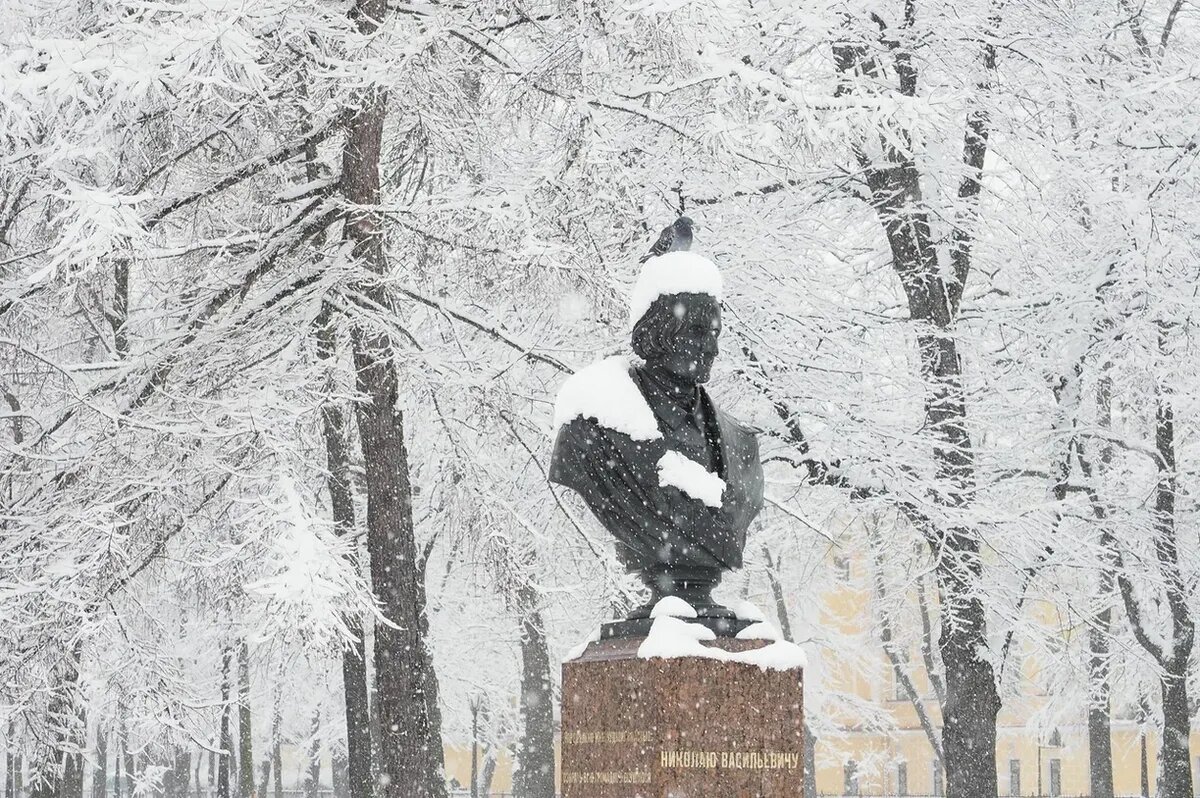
x: 489, y: 771
x: 245, y: 730
x: 175, y: 781
x: 276, y: 751
x: 785, y: 629
x: 100, y: 770
x: 1174, y: 767
x: 268, y: 762
x: 354, y: 659
x: 410, y: 746
x: 1099, y: 710
x: 126, y: 754
x: 226, y: 734
x: 339, y: 767
x: 9, y: 766
x: 312, y: 772
x: 535, y: 751
x: 971, y: 701
x: 264, y: 777
x: 1172, y: 655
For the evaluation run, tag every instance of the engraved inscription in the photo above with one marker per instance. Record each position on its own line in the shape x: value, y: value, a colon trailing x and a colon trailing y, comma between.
x: 753, y: 760
x: 606, y: 777
x: 584, y: 737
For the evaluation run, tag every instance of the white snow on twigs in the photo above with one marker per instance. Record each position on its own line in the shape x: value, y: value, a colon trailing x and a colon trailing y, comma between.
x: 673, y: 273
x: 690, y: 477
x: 605, y: 392
x: 672, y: 607
x: 671, y: 638
x: 746, y: 611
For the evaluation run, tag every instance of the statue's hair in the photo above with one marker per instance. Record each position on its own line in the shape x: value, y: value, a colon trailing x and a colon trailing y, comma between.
x: 654, y: 334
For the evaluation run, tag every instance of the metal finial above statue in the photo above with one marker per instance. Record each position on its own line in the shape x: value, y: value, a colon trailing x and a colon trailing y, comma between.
x: 672, y: 477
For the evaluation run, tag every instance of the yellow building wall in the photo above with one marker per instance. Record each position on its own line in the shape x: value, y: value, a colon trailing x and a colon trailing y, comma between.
x: 458, y: 766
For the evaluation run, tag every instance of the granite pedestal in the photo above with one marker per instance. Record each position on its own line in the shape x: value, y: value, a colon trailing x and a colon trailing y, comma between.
x: 688, y: 727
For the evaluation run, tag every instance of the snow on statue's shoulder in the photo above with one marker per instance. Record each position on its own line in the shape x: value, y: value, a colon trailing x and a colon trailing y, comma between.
x: 690, y: 477
x: 673, y: 273
x: 672, y: 607
x: 605, y: 392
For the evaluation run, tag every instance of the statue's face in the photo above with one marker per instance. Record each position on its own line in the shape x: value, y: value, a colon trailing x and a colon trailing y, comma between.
x: 695, y: 344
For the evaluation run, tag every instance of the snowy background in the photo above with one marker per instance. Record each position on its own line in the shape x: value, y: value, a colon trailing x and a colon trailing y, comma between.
x: 183, y: 315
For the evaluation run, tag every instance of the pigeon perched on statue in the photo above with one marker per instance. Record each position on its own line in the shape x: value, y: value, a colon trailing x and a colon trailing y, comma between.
x: 675, y: 237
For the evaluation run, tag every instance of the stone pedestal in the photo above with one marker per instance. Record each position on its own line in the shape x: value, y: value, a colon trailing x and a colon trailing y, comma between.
x: 688, y: 727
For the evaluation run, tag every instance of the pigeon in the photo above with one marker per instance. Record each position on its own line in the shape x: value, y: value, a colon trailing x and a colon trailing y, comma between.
x: 676, y: 237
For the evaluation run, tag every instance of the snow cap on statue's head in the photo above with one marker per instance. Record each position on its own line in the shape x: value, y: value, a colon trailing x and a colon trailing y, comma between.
x: 673, y: 273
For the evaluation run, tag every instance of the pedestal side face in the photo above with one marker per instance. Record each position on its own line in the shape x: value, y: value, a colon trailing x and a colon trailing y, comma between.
x: 679, y: 728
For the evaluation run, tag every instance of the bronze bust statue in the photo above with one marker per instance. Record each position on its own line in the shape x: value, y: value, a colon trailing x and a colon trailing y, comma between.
x: 672, y: 477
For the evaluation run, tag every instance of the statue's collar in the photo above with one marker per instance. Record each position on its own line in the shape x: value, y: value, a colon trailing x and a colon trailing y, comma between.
x: 669, y: 397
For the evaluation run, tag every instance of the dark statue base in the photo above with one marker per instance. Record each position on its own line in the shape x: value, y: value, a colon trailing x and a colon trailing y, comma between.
x: 691, y: 726
x: 693, y: 585
x: 722, y: 626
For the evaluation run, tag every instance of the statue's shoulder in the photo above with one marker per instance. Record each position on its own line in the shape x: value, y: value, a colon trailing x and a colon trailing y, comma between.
x: 741, y: 433
x: 605, y: 393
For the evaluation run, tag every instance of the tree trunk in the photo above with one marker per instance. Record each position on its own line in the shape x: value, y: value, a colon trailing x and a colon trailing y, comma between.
x: 338, y: 774
x: 410, y: 755
x: 785, y: 629
x: 1099, y: 709
x: 276, y: 759
x: 1173, y: 653
x: 226, y: 734
x: 972, y: 701
x: 245, y: 731
x: 312, y: 773
x: 175, y: 780
x: 264, y: 777
x: 534, y: 777
x: 354, y: 658
x: 1174, y: 755
x: 1174, y: 768
x: 100, y: 770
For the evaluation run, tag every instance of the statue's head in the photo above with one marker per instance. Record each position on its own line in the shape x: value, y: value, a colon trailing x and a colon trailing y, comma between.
x: 678, y: 333
x: 675, y: 313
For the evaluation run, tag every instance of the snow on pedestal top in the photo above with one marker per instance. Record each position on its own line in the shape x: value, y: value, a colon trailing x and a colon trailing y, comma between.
x: 671, y: 638
x: 672, y: 607
x: 673, y: 273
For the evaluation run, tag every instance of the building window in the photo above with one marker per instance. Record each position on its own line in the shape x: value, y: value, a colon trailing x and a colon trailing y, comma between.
x: 938, y: 789
x: 1014, y: 777
x: 902, y: 779
x: 850, y: 778
x: 1055, y: 777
